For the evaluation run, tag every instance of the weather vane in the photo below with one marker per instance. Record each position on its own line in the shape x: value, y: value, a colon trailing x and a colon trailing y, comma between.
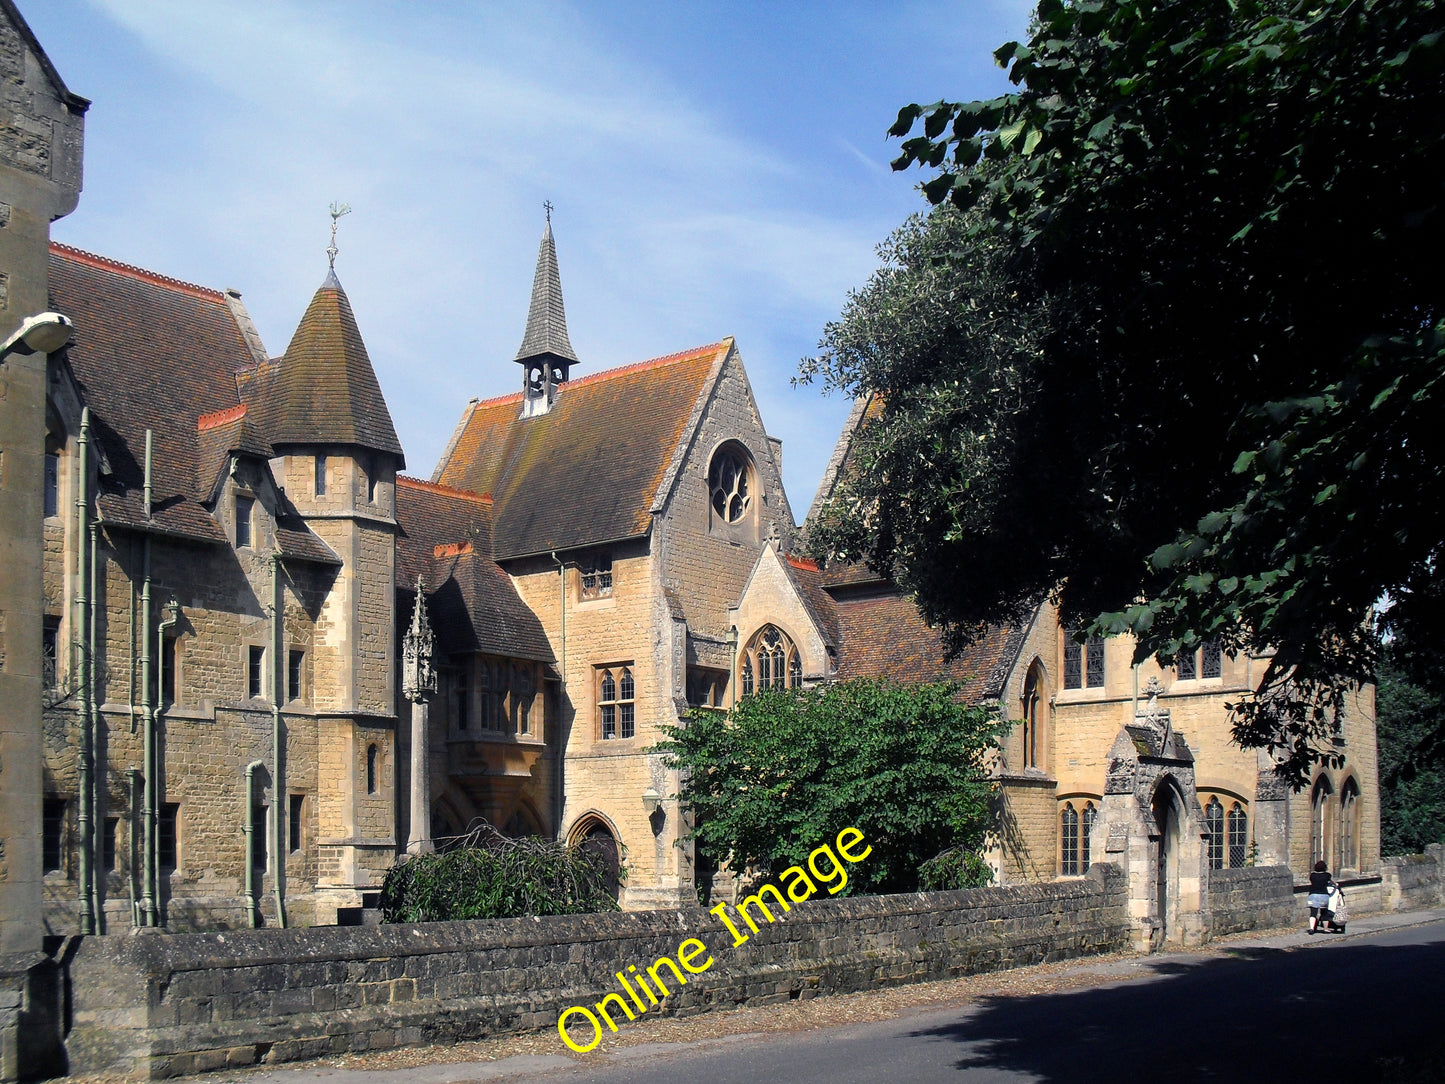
x: 337, y: 210
x: 547, y: 206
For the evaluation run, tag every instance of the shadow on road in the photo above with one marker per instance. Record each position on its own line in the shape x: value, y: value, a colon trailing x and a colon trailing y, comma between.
x: 1357, y: 1011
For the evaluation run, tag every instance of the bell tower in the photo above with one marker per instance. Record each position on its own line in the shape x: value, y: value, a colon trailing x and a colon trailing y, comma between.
x: 546, y: 354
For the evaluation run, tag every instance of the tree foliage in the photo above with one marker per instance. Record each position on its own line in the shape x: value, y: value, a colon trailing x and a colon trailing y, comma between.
x: 1185, y: 348
x: 787, y: 770
x: 488, y: 875
x: 1410, y: 719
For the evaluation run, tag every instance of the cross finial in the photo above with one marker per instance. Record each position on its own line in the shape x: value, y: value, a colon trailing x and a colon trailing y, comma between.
x: 337, y: 210
x: 547, y: 206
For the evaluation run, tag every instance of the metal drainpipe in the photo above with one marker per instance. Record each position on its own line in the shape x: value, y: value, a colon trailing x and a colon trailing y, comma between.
x: 82, y: 632
x: 253, y: 917
x: 150, y: 903
x: 133, y: 782
x: 97, y: 747
x: 561, y: 691
x: 278, y: 736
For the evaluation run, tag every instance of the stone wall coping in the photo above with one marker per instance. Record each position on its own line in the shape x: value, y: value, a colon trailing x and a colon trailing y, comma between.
x: 165, y: 954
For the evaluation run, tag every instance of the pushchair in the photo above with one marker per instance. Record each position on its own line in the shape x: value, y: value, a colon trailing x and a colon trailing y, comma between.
x: 1335, y: 914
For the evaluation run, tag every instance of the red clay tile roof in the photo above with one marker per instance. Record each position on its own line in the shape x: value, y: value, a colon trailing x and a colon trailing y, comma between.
x: 325, y: 391
x: 153, y: 352
x: 148, y: 352
x: 587, y: 471
x: 445, y: 536
x: 884, y: 636
x: 819, y: 604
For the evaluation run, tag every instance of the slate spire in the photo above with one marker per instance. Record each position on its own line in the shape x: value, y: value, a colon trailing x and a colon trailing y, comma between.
x: 546, y: 354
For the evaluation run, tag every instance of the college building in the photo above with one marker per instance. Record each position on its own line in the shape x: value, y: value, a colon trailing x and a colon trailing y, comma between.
x: 248, y: 661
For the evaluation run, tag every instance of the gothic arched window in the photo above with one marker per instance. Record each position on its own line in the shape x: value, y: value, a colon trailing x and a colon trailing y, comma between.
x: 1214, y: 822
x: 773, y: 657
x: 1069, y: 841
x: 1349, y: 825
x: 1238, y: 836
x: 1322, y: 828
x: 730, y: 486
x: 1084, y: 836
x: 616, y: 703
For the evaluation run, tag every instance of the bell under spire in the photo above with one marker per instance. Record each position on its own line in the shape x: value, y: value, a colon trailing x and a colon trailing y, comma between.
x: 546, y: 354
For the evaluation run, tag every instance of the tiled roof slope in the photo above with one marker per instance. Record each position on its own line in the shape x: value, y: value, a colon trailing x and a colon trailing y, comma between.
x: 819, y: 604
x: 149, y: 352
x: 445, y: 536
x: 325, y: 390
x: 884, y: 636
x: 586, y: 471
x: 152, y: 352
x: 546, y: 333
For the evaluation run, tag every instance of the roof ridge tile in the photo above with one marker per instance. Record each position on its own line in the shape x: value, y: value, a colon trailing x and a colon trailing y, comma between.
x: 155, y: 278
x: 220, y: 417
x: 408, y: 482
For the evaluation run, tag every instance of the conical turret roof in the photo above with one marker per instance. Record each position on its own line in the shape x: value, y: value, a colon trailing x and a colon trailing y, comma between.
x: 327, y: 391
x: 546, y: 333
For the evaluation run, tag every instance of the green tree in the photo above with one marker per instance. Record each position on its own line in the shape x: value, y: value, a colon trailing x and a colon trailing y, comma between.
x: 1409, y: 719
x: 1212, y: 227
x: 786, y: 770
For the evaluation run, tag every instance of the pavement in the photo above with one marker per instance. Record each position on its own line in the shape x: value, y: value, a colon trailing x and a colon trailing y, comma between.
x: 995, y: 1021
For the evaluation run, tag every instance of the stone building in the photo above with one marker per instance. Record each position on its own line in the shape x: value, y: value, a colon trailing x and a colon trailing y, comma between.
x: 1112, y: 762
x: 248, y: 662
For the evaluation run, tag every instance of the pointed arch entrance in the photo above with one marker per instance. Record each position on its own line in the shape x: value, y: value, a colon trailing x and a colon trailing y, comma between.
x: 592, y: 833
x: 1168, y: 812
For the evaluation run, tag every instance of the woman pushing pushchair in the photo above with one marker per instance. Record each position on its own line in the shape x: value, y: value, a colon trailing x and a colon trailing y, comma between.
x: 1327, y: 902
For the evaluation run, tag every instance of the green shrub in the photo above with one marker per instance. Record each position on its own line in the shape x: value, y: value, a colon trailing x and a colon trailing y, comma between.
x: 957, y: 867
x: 488, y: 875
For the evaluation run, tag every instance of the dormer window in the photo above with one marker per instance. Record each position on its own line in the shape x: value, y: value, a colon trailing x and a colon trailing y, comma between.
x: 597, y: 577
x: 244, y: 509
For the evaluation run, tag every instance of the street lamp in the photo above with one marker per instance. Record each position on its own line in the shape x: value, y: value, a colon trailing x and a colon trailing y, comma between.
x: 43, y: 333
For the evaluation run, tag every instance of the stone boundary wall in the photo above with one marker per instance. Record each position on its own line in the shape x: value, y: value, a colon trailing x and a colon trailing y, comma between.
x: 1250, y: 898
x: 168, y: 1005
x: 1414, y: 881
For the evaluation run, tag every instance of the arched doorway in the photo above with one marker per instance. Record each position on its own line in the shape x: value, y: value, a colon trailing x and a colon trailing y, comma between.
x: 1168, y: 810
x: 595, y: 836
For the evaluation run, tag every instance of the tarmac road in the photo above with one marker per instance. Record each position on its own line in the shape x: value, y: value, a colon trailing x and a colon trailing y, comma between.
x: 1282, y: 1008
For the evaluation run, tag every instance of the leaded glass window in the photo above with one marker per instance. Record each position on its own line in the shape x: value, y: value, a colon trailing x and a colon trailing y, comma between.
x: 1184, y: 665
x: 616, y: 697
x: 1073, y: 663
x: 1214, y: 822
x: 1094, y: 673
x: 1086, y: 835
x: 747, y: 677
x: 1238, y: 836
x: 1069, y: 841
x: 1211, y: 659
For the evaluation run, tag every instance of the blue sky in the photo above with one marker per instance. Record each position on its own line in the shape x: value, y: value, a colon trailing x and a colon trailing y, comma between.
x: 716, y: 169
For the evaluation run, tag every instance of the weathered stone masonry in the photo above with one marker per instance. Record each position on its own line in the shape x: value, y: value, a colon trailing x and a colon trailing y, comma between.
x: 167, y: 1006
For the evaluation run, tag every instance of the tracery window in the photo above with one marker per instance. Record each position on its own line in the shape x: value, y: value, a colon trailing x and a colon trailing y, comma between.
x: 1214, y: 822
x: 729, y: 486
x: 1238, y: 836
x: 772, y: 657
x: 1086, y: 832
x: 597, y: 576
x: 616, y: 703
x: 1187, y: 668
x: 1094, y: 657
